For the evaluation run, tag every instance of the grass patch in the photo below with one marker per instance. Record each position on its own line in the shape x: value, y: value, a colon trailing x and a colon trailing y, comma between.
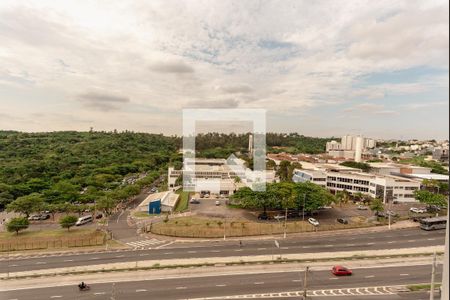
x: 421, y: 287
x: 52, y: 233
x: 143, y: 214
x: 51, y: 239
x: 183, y: 202
x: 198, y: 227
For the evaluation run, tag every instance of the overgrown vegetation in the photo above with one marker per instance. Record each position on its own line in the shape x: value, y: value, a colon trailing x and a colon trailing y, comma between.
x: 60, y: 168
x: 357, y: 165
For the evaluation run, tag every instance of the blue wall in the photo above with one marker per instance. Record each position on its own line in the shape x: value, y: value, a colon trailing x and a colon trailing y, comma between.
x: 154, y: 207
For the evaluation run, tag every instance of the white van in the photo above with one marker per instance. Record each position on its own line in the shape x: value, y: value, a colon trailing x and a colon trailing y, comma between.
x: 84, y: 220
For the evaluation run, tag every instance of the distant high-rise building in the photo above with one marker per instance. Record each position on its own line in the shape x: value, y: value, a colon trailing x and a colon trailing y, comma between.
x: 358, y: 148
x: 250, y: 145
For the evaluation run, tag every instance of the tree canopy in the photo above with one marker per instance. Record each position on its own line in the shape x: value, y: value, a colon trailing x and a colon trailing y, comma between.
x: 283, y: 195
x: 17, y: 224
x: 430, y: 198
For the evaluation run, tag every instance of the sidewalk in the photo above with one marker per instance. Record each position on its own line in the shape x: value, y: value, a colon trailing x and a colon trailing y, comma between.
x: 192, y: 262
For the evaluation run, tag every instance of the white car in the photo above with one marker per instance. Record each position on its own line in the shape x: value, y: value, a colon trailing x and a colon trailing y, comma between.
x: 417, y: 210
x: 279, y: 217
x: 313, y: 221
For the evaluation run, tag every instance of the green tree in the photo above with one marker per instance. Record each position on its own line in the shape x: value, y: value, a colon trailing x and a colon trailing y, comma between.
x: 27, y: 204
x: 106, y: 204
x: 68, y: 221
x: 17, y: 224
x: 357, y: 165
x: 430, y: 198
x: 376, y: 206
x: 283, y: 170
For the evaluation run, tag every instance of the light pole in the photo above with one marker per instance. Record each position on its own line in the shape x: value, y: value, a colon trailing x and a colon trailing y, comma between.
x: 224, y: 229
x: 285, y: 223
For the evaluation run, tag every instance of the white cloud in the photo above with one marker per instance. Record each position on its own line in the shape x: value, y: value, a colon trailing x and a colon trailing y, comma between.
x: 285, y: 56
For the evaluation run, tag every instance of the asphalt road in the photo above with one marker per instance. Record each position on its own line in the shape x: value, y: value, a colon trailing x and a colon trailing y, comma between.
x: 395, y: 239
x: 242, y: 284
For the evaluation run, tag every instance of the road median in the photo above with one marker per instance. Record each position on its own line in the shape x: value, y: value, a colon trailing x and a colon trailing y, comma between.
x: 226, y: 261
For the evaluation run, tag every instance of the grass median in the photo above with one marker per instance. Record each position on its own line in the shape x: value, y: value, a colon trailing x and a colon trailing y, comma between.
x: 51, y: 239
x: 198, y: 227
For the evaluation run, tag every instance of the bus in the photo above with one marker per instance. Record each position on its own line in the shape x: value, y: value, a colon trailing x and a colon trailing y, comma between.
x: 434, y: 223
x: 84, y: 220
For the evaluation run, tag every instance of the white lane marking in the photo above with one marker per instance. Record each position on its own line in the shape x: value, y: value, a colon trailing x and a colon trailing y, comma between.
x: 305, y: 247
x: 57, y: 296
x: 296, y: 280
x: 192, y: 251
x: 370, y: 243
x: 141, y: 290
x: 215, y: 251
x: 328, y: 245
x: 68, y: 260
x: 391, y: 242
x: 100, y: 293
x: 41, y: 263
x: 430, y: 239
x: 221, y: 285
x: 165, y: 245
x: 404, y: 274
x: 285, y: 248
x: 167, y: 253
x: 238, y: 250
x: 143, y: 254
x: 411, y: 241
x: 259, y: 283
x: 333, y: 278
x: 260, y: 249
x: 93, y: 258
x: 13, y: 265
x: 119, y: 256
x: 180, y: 287
x: 369, y: 276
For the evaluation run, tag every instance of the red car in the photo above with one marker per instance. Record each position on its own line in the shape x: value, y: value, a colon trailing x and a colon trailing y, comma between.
x: 341, y: 271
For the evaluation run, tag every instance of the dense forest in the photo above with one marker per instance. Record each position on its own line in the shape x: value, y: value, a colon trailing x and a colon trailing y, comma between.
x: 217, y: 145
x: 79, y: 166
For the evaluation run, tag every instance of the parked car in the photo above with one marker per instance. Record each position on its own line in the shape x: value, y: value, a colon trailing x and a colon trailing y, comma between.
x: 263, y: 216
x: 381, y: 214
x: 342, y: 220
x: 392, y: 213
x: 34, y: 217
x: 217, y: 203
x: 99, y: 216
x: 341, y: 271
x: 417, y: 210
x: 44, y: 216
x: 433, y: 208
x: 362, y: 207
x: 313, y: 221
x: 279, y: 217
x: 194, y: 201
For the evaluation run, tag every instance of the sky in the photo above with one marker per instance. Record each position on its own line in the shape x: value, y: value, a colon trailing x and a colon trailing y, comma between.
x: 319, y: 68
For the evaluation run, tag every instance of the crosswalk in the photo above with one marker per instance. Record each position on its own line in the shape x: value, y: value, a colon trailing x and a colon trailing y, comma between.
x: 146, y: 244
x: 344, y: 292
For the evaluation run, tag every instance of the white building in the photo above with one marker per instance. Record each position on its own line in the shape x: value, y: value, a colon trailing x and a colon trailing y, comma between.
x: 216, y: 176
x: 350, y: 147
x: 337, y: 178
x: 333, y: 145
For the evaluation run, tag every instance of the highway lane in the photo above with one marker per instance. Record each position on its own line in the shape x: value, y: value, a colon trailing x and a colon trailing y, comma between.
x: 395, y: 239
x: 219, y: 286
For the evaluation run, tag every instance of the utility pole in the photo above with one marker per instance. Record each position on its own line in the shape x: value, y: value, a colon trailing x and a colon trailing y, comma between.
x: 433, y: 275
x: 445, y: 275
x: 224, y: 229
x: 285, y: 223
x: 305, y: 281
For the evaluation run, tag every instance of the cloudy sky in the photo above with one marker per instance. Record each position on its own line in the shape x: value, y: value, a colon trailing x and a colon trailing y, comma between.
x: 319, y: 68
